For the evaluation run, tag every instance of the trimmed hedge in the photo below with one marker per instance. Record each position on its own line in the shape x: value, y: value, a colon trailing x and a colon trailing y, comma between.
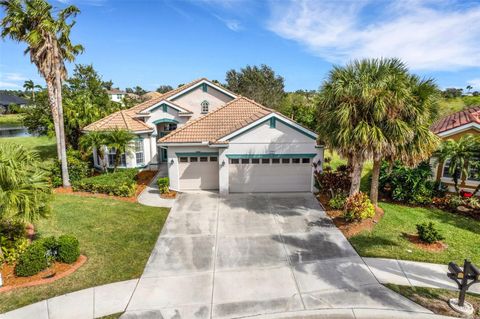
x: 33, y: 260
x: 163, y: 185
x: 120, y: 183
x: 68, y: 249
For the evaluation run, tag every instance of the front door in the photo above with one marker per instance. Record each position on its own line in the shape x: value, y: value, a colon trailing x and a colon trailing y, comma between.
x: 162, y: 154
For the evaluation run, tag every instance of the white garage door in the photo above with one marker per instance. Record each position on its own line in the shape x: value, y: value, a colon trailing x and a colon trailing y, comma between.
x: 198, y: 172
x: 270, y: 175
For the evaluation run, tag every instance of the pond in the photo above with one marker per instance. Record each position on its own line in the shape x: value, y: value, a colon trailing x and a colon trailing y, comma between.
x: 14, y: 132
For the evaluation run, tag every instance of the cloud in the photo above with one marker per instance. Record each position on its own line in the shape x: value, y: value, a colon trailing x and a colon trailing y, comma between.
x: 475, y: 83
x: 9, y: 85
x: 13, y: 76
x: 428, y: 35
x: 232, y: 24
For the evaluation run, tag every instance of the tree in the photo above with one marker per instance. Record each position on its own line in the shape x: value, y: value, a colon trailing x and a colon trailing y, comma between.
x: 24, y: 186
x: 95, y: 140
x: 469, y: 88
x: 119, y: 140
x: 29, y: 85
x: 49, y: 45
x: 450, y: 93
x: 164, y: 88
x: 107, y: 85
x: 257, y: 83
x: 138, y: 90
x: 300, y: 107
x: 460, y: 154
x: 373, y: 108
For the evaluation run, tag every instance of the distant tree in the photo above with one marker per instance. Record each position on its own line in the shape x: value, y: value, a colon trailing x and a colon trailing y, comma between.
x: 476, y: 93
x: 469, y: 88
x: 452, y: 93
x: 138, y: 90
x: 164, y: 88
x: 259, y: 83
x: 29, y: 85
x: 107, y: 85
x: 300, y: 106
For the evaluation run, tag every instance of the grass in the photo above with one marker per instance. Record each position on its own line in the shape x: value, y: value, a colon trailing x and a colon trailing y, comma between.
x: 43, y: 145
x: 436, y: 299
x: 11, y: 120
x: 462, y: 235
x: 116, y: 236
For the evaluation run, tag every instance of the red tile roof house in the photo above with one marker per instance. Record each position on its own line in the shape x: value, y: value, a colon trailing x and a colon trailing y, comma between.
x: 212, y: 139
x: 455, y: 126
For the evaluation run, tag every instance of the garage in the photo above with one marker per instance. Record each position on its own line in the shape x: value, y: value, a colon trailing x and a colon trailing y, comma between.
x: 198, y: 171
x: 287, y: 173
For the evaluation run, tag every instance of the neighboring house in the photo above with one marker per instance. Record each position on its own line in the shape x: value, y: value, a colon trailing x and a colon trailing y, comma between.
x: 212, y: 139
x: 455, y: 126
x: 7, y: 100
x: 151, y: 95
x: 116, y: 95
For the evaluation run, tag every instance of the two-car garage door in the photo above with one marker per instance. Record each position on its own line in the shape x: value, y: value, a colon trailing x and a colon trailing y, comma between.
x: 270, y: 175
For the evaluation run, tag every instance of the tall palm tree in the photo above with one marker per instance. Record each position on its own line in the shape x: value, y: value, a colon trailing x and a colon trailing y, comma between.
x: 24, y: 187
x: 119, y: 140
x: 48, y: 43
x: 368, y: 110
x: 29, y: 85
x: 97, y: 141
x: 460, y: 153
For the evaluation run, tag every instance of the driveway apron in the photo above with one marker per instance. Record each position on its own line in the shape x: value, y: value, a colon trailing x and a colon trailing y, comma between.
x: 245, y: 254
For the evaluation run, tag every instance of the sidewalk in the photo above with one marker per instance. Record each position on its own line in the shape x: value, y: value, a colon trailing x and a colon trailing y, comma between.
x: 151, y: 195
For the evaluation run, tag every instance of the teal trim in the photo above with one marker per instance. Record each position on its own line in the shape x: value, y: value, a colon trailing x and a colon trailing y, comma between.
x: 138, y: 139
x: 204, y: 87
x: 165, y: 121
x: 273, y: 123
x: 143, y: 166
x: 165, y: 108
x: 240, y: 156
x: 196, y: 86
x: 187, y: 154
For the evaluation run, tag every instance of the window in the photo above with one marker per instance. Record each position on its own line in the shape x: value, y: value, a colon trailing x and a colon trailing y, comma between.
x: 170, y: 127
x: 139, y: 152
x: 111, y: 158
x: 255, y: 161
x: 119, y: 96
x: 213, y: 159
x: 203, y: 159
x: 474, y: 170
x: 265, y: 161
x: 285, y: 161
x: 245, y: 161
x: 234, y: 161
x: 295, y: 160
x: 193, y: 159
x: 305, y: 160
x: 204, y: 106
x: 183, y: 159
x: 275, y: 161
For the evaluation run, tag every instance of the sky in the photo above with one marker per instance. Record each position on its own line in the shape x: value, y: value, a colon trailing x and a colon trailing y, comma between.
x: 158, y: 42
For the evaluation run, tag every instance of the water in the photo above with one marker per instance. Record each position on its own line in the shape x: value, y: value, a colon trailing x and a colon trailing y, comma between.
x: 14, y: 132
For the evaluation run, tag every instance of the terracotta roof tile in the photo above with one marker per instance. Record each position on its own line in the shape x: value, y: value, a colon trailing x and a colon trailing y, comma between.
x: 457, y: 119
x: 118, y: 120
x: 221, y: 122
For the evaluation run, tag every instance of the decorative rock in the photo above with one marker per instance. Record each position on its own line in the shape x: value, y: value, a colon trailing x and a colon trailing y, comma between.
x: 466, y: 309
x: 464, y: 209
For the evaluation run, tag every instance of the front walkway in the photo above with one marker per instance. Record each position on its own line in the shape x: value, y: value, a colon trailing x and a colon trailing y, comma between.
x: 151, y: 195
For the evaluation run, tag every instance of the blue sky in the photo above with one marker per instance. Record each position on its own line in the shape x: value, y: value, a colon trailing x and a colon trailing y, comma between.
x: 149, y: 43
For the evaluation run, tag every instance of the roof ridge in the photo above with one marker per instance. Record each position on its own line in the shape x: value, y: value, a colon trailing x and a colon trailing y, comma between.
x: 124, y: 120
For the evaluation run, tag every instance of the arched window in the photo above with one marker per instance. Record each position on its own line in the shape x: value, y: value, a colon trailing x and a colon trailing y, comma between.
x: 204, y: 106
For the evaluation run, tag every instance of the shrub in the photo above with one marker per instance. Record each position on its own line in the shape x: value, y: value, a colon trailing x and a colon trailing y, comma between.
x: 13, y: 241
x: 33, y: 260
x: 68, y: 249
x: 77, y: 169
x: 163, y: 185
x: 337, y: 201
x: 409, y: 185
x: 455, y: 201
x: 428, y: 233
x: 358, y: 207
x: 51, y: 247
x: 120, y: 183
x: 331, y: 182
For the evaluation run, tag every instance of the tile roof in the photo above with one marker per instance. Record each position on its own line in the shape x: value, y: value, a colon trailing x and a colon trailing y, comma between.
x: 115, y: 91
x: 221, y: 122
x: 457, y: 119
x: 8, y: 99
x: 118, y: 120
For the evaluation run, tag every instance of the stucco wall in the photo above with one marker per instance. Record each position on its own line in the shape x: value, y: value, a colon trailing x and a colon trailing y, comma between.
x: 195, y: 97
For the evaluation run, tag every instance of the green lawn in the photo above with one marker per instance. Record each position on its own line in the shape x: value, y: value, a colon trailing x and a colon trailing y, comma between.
x: 462, y: 235
x: 43, y: 145
x: 11, y: 120
x: 117, y: 237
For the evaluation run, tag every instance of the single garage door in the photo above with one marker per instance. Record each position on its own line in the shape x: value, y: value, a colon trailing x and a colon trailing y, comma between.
x: 250, y: 175
x: 198, y: 172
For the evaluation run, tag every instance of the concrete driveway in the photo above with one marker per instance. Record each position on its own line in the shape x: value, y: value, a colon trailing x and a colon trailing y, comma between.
x: 244, y: 255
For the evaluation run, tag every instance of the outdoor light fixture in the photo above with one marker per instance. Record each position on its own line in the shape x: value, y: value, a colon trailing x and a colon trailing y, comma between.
x: 171, y: 162
x: 223, y: 163
x: 464, y: 278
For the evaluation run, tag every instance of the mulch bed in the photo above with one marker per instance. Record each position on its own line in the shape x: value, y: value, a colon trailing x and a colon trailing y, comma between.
x: 169, y: 195
x: 433, y: 247
x: 349, y: 229
x: 56, y: 271
x: 143, y: 180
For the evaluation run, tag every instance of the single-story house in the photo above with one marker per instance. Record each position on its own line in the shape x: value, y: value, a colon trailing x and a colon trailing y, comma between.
x: 211, y: 139
x: 7, y: 100
x: 454, y: 126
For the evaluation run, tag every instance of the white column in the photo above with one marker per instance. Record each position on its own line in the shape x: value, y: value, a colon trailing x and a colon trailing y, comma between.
x: 223, y: 172
x: 153, y: 150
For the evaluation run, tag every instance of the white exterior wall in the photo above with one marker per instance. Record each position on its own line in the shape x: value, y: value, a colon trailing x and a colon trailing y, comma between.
x: 116, y: 97
x: 171, y: 114
x: 192, y: 100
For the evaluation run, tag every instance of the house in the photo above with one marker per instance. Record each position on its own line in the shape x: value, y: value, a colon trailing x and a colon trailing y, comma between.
x: 211, y: 139
x: 7, y: 100
x: 116, y: 95
x: 454, y: 126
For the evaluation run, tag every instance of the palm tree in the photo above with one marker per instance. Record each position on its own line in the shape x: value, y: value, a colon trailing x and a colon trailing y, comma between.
x: 119, y: 140
x: 29, y: 85
x: 95, y: 140
x: 460, y: 153
x: 469, y: 88
x: 372, y: 109
x: 24, y: 186
x: 48, y: 43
